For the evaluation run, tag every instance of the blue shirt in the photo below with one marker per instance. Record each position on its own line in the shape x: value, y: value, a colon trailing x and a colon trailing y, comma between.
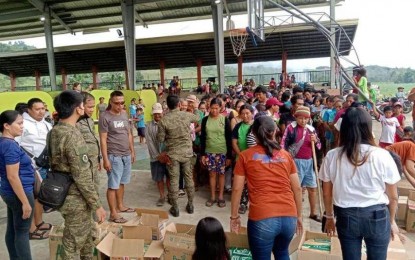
x: 11, y: 153
x: 141, y: 123
x: 132, y: 109
x: 328, y: 117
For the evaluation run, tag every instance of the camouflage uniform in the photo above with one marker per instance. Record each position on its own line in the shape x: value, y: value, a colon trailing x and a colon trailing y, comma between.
x: 174, y: 131
x: 86, y: 127
x: 70, y: 154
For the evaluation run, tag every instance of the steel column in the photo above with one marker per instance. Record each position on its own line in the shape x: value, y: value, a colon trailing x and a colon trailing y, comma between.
x: 333, y: 38
x: 49, y: 47
x: 217, y: 17
x: 128, y: 21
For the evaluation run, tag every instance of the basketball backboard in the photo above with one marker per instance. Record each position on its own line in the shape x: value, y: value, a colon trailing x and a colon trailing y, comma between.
x: 256, y: 18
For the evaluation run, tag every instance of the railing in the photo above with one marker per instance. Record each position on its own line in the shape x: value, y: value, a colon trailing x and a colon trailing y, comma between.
x: 314, y: 76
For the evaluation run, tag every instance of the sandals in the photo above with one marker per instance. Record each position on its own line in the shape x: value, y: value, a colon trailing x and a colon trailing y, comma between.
x: 119, y: 220
x: 38, y: 235
x: 242, y: 209
x: 315, y: 218
x: 210, y: 203
x: 221, y: 203
x: 39, y: 226
x: 128, y: 210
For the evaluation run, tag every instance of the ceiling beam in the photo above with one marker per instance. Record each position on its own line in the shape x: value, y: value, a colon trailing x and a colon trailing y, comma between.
x: 42, y: 6
x: 16, y: 16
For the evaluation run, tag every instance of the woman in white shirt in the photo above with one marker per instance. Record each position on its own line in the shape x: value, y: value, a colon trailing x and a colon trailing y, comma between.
x: 359, y: 187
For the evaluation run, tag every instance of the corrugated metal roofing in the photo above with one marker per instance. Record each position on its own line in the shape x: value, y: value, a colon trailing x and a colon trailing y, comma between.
x: 299, y: 41
x: 19, y: 19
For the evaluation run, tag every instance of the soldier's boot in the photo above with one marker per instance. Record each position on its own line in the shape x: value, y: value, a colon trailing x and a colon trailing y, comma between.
x: 174, y: 210
x: 189, y: 208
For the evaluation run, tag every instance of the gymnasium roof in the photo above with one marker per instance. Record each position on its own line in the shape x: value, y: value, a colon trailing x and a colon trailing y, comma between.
x: 21, y: 19
x: 300, y: 41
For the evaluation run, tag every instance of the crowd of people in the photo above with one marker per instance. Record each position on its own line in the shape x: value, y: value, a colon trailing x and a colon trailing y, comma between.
x: 260, y: 144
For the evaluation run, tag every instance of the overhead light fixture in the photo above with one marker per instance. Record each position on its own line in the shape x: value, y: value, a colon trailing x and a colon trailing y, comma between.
x: 42, y: 18
x: 119, y: 32
x: 217, y: 1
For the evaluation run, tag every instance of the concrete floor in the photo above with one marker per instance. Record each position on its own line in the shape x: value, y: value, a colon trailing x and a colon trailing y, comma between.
x: 142, y: 192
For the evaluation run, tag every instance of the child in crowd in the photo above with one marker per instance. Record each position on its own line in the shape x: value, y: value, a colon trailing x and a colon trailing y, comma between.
x: 389, y: 126
x: 408, y: 134
x: 328, y: 118
x: 210, y: 241
x: 400, y: 94
x: 397, y: 112
x: 317, y: 106
x: 298, y: 139
x: 141, y: 104
x: 141, y: 127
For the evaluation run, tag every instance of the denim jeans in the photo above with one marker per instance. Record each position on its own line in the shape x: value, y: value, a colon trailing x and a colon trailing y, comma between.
x: 370, y: 224
x: 271, y: 234
x: 17, y: 233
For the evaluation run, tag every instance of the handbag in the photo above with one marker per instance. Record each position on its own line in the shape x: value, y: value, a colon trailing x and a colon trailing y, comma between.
x: 43, y: 159
x: 295, y: 147
x: 55, y: 187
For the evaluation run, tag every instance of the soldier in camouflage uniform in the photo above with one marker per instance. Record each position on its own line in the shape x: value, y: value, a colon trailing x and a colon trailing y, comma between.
x: 86, y: 127
x: 70, y: 154
x: 174, y: 131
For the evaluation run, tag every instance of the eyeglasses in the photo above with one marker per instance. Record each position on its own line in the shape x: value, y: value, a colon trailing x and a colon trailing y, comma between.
x: 118, y: 103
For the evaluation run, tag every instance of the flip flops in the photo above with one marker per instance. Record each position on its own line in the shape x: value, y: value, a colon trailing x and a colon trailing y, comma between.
x: 119, y: 220
x: 210, y: 202
x: 128, y: 210
x: 221, y: 203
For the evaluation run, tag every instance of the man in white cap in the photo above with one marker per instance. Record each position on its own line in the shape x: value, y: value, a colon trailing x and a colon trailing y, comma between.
x: 157, y: 154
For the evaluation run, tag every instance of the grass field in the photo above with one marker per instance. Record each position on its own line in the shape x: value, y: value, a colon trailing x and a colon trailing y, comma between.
x: 389, y: 89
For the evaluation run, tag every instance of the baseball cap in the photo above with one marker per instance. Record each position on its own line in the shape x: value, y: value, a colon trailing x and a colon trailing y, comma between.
x: 157, y: 109
x: 397, y: 104
x: 191, y: 98
x: 272, y: 102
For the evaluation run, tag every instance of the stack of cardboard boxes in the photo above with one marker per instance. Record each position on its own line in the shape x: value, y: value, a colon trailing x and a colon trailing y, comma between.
x: 405, y: 216
x: 150, y: 236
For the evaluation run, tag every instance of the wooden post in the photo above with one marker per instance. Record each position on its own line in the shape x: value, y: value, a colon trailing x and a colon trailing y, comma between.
x: 64, y: 78
x: 12, y: 76
x: 284, y: 63
x: 199, y: 71
x: 94, y: 77
x: 162, y: 71
x: 240, y: 68
x: 38, y: 81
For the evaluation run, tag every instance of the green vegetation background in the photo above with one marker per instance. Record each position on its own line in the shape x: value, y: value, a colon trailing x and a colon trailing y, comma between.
x: 388, y: 79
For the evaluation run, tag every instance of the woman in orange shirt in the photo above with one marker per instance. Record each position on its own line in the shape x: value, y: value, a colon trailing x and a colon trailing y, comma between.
x: 274, y: 193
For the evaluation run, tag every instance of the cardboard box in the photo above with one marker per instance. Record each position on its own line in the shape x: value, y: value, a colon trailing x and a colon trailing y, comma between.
x: 56, y: 247
x: 105, y: 227
x: 147, y: 219
x: 179, y: 241
x: 410, y: 215
x: 132, y: 249
x: 335, y: 250
x: 402, y: 209
x: 404, y: 187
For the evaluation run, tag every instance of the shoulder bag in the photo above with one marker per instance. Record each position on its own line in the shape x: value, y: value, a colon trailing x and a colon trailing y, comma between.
x: 55, y: 187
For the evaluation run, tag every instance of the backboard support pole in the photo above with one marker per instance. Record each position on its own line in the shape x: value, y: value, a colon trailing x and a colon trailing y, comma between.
x: 217, y: 17
x: 49, y: 47
x: 332, y: 51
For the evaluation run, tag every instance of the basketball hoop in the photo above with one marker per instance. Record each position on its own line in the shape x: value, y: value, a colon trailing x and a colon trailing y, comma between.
x: 238, y: 40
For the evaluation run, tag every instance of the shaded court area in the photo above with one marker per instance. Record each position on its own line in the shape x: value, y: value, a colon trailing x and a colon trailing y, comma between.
x: 142, y: 192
